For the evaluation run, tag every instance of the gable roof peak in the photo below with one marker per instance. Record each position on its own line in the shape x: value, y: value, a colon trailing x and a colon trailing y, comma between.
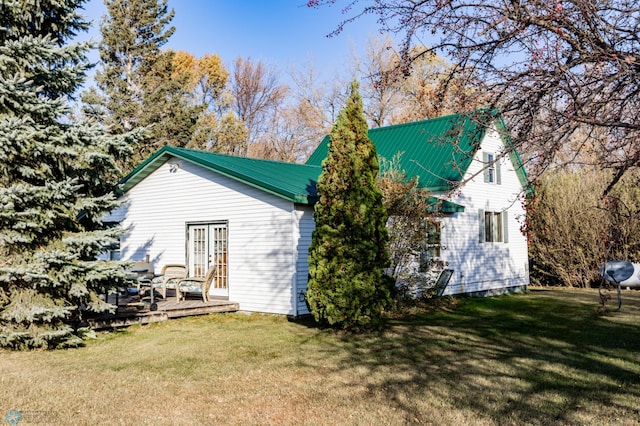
x: 437, y: 151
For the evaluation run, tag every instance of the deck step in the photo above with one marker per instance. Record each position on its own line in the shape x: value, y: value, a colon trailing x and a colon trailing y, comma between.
x: 132, y: 313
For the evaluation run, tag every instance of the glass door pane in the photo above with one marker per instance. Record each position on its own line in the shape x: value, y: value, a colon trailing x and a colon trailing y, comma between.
x: 208, y: 246
x: 218, y: 250
x: 198, y: 251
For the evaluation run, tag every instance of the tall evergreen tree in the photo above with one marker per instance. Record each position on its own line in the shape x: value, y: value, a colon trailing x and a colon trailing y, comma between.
x: 137, y: 83
x: 54, y: 181
x: 348, y: 253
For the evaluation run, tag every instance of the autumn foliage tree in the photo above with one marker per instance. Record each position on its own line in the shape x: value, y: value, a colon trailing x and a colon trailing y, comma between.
x: 136, y: 82
x: 348, y: 253
x: 424, y: 91
x: 206, y: 79
x: 380, y: 89
x: 312, y: 110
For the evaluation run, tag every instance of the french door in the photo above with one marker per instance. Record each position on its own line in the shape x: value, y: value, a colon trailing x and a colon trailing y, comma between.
x: 207, y: 246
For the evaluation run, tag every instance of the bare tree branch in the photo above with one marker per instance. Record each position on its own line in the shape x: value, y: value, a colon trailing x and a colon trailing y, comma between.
x: 558, y: 70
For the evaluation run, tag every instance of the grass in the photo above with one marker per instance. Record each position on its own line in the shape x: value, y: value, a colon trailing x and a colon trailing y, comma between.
x: 545, y: 357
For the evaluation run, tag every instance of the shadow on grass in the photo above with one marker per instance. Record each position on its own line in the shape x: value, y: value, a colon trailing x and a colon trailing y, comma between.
x: 537, y: 358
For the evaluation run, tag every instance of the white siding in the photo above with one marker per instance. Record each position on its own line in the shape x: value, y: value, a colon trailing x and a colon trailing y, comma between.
x: 486, y: 267
x: 269, y: 237
x: 306, y: 226
x: 260, y: 247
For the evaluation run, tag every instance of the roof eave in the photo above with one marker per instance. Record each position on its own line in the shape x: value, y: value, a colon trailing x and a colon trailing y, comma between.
x: 441, y: 188
x: 518, y: 165
x: 143, y: 170
x: 166, y: 152
x: 443, y: 206
x: 232, y: 174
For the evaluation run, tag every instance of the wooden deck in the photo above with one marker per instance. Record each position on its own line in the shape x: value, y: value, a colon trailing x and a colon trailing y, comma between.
x: 132, y: 311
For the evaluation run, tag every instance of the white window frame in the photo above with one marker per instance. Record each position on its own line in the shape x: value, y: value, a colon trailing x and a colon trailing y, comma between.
x: 493, y: 226
x: 208, y: 244
x: 491, y: 165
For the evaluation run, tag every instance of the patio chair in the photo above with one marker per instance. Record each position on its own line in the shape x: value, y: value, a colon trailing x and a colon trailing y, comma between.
x: 443, y: 280
x: 168, y: 278
x: 196, y: 285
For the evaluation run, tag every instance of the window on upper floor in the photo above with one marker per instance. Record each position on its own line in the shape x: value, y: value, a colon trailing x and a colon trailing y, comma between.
x: 491, y: 168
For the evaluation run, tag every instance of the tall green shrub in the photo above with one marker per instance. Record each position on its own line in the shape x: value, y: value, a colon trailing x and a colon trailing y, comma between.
x: 347, y: 287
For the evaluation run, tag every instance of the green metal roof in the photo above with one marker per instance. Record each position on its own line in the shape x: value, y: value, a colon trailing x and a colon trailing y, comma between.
x: 291, y: 181
x: 437, y: 151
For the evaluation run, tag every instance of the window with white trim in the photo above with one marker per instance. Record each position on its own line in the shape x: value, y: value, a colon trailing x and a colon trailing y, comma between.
x: 493, y: 226
x: 491, y: 168
x: 433, y: 240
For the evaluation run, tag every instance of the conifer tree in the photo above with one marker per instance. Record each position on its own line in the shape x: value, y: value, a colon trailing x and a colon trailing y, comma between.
x: 348, y: 253
x: 136, y: 80
x: 54, y: 181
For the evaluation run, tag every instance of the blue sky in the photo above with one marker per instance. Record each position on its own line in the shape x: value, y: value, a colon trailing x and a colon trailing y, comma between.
x: 281, y: 33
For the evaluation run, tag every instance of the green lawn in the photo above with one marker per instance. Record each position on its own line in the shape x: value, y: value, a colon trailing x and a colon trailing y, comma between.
x: 545, y: 357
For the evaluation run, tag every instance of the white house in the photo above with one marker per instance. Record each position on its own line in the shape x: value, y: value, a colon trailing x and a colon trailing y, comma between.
x: 254, y: 218
x: 467, y: 161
